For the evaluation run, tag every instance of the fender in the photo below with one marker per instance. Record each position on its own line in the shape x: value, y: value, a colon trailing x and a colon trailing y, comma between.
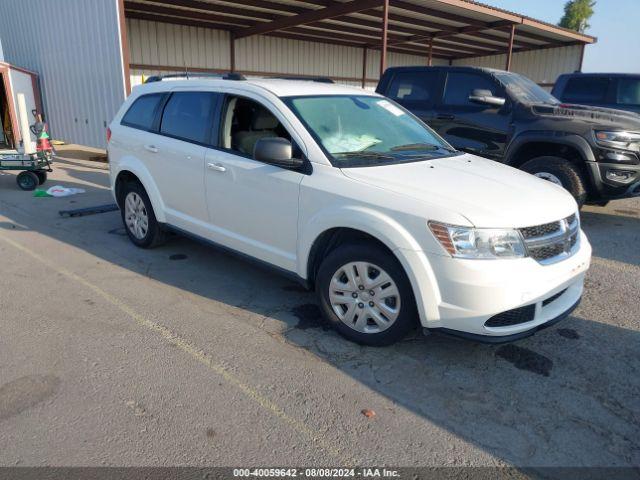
x: 135, y: 166
x: 572, y: 140
x: 384, y: 228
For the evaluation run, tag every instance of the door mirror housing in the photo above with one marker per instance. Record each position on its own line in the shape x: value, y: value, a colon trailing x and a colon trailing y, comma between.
x: 485, y: 97
x: 276, y: 151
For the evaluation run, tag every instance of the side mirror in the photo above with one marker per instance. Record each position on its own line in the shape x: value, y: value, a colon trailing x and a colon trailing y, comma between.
x: 485, y: 97
x: 276, y: 151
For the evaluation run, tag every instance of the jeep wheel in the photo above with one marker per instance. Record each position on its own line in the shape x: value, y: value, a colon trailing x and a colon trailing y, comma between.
x: 561, y: 172
x: 365, y: 294
x: 138, y: 217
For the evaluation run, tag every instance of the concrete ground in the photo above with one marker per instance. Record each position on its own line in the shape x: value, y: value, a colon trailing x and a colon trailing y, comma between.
x: 184, y: 355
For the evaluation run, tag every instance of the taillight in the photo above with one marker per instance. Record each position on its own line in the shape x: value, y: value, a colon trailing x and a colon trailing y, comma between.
x: 108, y: 134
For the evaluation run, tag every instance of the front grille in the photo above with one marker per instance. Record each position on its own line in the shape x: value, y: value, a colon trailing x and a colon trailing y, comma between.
x: 552, y: 241
x: 512, y: 317
x: 545, y: 253
x: 553, y: 298
x: 540, y: 230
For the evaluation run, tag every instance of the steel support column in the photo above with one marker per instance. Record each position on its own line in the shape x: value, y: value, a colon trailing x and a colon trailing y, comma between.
x: 385, y: 28
x: 430, y: 62
x: 510, y: 51
x: 232, y: 52
x: 364, y: 67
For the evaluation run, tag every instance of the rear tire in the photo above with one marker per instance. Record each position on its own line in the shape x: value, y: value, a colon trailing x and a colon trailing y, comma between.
x: 138, y: 217
x: 42, y: 176
x: 559, y: 170
x: 27, y: 180
x: 365, y: 294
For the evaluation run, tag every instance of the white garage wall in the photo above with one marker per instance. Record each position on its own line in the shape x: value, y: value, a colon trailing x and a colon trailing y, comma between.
x: 541, y: 66
x: 74, y: 47
x: 177, y: 46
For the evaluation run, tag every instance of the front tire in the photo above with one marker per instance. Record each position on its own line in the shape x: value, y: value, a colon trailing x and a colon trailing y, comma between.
x: 560, y: 171
x: 138, y: 217
x: 27, y: 180
x: 365, y: 294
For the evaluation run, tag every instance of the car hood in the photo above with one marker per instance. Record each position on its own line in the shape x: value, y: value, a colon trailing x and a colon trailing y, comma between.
x: 487, y: 193
x: 589, y: 114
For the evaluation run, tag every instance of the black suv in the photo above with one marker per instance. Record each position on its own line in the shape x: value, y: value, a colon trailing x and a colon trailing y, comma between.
x: 612, y: 90
x: 592, y: 152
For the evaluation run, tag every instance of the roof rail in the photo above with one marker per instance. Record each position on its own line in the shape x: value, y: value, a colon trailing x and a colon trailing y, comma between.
x: 303, y: 78
x: 189, y: 75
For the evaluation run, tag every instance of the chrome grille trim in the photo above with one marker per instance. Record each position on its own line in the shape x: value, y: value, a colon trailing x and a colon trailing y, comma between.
x: 552, y: 247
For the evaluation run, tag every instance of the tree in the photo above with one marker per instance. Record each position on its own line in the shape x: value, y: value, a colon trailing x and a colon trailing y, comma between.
x: 577, y: 14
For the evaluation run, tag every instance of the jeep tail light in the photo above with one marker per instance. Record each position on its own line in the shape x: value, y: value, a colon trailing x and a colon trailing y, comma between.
x: 108, y: 134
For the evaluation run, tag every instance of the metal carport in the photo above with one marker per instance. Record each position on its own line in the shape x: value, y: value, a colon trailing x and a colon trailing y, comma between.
x: 429, y: 31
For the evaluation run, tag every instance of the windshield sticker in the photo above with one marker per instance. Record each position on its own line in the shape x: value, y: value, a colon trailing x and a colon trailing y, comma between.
x: 349, y: 143
x: 390, y: 107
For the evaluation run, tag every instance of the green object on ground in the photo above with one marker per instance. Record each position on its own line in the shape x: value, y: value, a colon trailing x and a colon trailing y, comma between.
x: 41, y: 193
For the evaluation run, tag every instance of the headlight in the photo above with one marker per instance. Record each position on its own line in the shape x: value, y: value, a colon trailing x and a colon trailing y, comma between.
x: 623, y: 140
x: 466, y: 242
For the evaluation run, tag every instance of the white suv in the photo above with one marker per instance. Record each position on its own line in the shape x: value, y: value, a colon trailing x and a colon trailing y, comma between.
x: 353, y: 195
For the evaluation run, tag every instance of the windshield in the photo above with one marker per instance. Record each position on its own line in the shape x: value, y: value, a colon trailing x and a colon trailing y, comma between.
x: 525, y: 90
x: 362, y: 130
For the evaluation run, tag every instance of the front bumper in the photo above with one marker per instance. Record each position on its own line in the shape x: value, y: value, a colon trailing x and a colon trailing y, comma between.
x: 615, y: 180
x: 506, y: 338
x: 462, y: 295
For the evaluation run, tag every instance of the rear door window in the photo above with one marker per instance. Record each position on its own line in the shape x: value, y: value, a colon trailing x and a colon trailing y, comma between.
x: 586, y: 90
x: 460, y: 85
x: 188, y: 116
x: 628, y: 92
x: 143, y: 111
x: 414, y: 87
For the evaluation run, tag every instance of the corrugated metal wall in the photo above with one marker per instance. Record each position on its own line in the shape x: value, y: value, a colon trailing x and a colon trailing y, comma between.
x: 74, y: 46
x: 541, y: 66
x: 175, y: 47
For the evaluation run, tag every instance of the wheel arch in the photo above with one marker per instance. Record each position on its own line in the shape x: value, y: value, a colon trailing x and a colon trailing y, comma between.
x: 528, y: 145
x: 574, y: 148
x: 133, y: 170
x: 330, y: 230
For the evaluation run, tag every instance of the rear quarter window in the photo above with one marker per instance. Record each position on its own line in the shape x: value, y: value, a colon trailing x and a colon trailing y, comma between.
x: 142, y: 112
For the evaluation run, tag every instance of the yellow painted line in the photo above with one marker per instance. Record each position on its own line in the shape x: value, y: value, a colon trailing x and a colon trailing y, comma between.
x: 192, y: 350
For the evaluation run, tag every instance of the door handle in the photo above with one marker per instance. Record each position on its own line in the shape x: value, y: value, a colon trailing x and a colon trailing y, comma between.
x: 445, y: 116
x: 217, y: 167
x: 151, y: 148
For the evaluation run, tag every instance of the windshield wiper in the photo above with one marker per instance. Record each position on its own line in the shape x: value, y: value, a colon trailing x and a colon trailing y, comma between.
x: 365, y: 154
x: 415, y: 146
x: 421, y: 146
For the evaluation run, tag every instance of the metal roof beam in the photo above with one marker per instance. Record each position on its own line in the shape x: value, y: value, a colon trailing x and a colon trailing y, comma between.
x: 180, y: 5
x: 308, y: 17
x: 213, y: 17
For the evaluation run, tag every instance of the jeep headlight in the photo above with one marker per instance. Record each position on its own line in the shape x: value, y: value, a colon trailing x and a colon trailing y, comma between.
x: 622, y: 140
x: 482, y: 243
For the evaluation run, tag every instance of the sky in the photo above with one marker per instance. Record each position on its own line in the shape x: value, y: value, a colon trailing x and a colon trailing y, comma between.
x: 616, y: 23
